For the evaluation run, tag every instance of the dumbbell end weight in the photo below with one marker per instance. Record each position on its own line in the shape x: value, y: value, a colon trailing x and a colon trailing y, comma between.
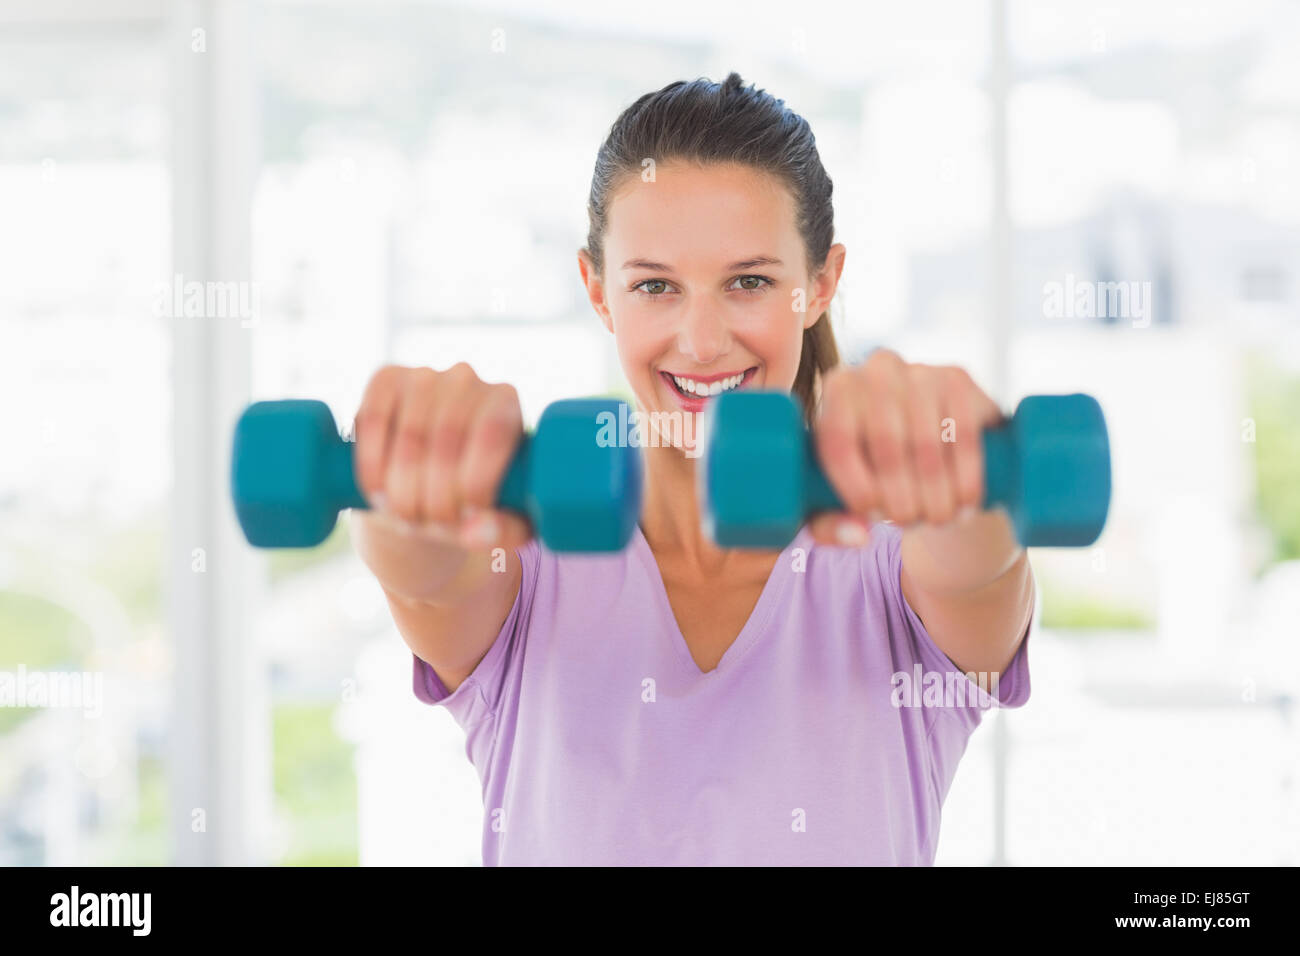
x: 584, y: 483
x: 291, y: 474
x: 752, y: 493
x: 1049, y: 467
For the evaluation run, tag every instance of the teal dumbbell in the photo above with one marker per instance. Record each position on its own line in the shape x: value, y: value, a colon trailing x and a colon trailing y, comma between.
x: 760, y: 480
x: 291, y: 474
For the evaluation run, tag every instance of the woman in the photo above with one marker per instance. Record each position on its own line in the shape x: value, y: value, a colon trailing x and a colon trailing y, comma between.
x: 676, y: 703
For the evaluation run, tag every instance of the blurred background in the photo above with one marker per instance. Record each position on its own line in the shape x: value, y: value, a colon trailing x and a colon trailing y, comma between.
x: 1060, y: 197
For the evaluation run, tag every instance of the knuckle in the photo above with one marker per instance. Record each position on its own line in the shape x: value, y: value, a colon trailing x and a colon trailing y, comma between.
x: 460, y: 373
x: 858, y: 496
x: 386, y: 377
x: 886, y: 449
x: 954, y: 380
x: 835, y: 424
x: 477, y: 485
x: 494, y: 429
x: 417, y: 384
x: 836, y: 438
x: 448, y: 435
x: 844, y: 378
x: 486, y: 456
x: 928, y: 378
x: 960, y: 432
x: 882, y: 358
x: 439, y: 498
x: 504, y: 395
x: 905, y: 512
x: 928, y: 457
x: 369, y: 424
x: 382, y: 386
x: 835, y: 454
x: 502, y: 405
x: 412, y: 439
x: 401, y: 501
x: 878, y: 384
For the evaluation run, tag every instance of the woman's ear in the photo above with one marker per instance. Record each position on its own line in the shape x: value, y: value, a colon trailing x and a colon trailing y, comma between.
x: 595, y: 289
x: 824, y: 284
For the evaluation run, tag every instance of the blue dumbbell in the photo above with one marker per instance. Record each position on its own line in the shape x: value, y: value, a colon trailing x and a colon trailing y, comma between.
x: 291, y: 474
x: 760, y: 480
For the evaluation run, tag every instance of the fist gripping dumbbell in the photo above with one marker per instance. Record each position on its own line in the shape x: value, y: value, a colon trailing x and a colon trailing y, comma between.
x: 1048, y: 466
x: 291, y: 474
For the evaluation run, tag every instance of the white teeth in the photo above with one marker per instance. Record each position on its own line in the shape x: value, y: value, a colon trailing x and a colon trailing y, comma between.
x: 693, y: 387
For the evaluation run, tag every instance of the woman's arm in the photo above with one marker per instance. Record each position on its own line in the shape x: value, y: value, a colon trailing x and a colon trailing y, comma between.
x: 971, y: 585
x: 432, y: 449
x: 903, y: 441
x: 448, y: 603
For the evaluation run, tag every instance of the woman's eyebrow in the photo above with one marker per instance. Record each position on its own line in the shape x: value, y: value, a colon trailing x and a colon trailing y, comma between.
x: 742, y: 264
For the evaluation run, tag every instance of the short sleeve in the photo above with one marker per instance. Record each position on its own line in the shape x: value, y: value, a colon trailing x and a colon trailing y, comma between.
x: 962, y: 697
x: 478, y: 696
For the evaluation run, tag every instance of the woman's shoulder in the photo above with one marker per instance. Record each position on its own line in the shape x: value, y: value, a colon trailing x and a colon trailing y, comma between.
x: 851, y: 580
x: 866, y: 560
x: 576, y: 572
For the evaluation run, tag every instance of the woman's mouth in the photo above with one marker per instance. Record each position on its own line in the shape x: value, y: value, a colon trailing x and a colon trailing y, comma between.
x: 693, y: 393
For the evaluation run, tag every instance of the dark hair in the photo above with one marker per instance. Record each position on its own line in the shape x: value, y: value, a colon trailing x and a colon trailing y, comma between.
x: 705, y: 122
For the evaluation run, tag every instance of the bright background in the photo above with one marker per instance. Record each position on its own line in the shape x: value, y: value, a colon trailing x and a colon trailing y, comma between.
x: 406, y: 182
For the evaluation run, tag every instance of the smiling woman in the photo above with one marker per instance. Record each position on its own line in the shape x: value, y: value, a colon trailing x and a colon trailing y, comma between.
x: 701, y: 323
x: 678, y: 702
x: 682, y: 180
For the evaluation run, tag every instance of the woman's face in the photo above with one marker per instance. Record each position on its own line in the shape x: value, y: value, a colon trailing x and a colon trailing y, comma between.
x: 705, y: 285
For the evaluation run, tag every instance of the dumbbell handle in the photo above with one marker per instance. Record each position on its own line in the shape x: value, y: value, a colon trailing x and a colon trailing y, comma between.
x: 340, y: 478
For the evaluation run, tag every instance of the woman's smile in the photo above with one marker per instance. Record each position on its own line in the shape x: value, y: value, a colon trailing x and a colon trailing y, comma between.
x: 692, y: 392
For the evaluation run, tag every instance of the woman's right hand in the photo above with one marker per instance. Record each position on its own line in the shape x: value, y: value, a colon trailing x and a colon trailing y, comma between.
x: 431, y: 451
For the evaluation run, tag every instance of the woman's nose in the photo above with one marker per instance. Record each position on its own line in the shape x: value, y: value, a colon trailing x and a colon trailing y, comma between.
x: 703, y: 334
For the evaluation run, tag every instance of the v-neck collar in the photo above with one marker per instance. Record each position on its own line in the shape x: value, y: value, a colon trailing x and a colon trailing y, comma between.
x: 774, y: 589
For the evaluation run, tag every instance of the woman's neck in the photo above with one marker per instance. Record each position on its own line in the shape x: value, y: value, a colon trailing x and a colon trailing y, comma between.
x: 670, y: 514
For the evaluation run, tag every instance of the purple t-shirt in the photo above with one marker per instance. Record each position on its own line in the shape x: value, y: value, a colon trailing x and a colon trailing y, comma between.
x: 821, y: 738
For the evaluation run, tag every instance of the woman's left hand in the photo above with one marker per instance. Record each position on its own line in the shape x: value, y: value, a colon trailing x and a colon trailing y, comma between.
x: 900, y: 441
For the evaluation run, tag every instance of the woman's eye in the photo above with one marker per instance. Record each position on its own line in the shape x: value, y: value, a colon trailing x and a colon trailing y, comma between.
x: 640, y: 286
x: 655, y: 288
x: 763, y: 281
